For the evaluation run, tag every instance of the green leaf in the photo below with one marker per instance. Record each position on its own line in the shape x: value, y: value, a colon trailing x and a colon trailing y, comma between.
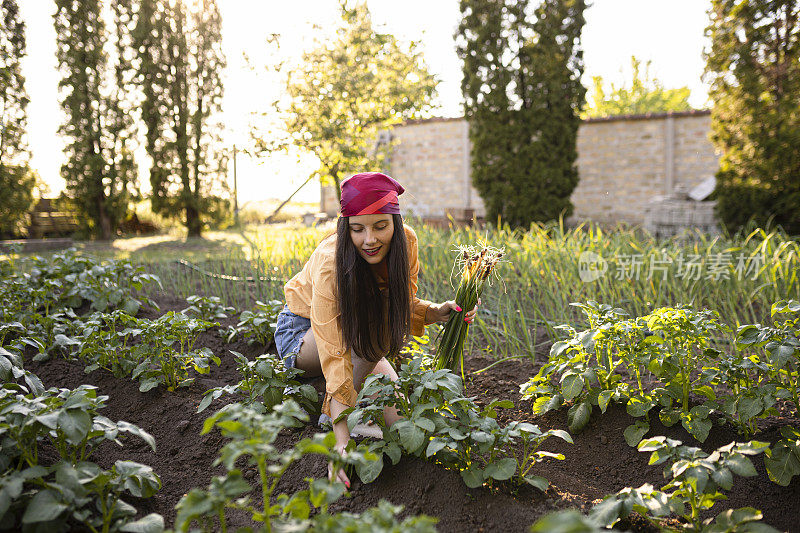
x: 669, y: 417
x: 473, y: 477
x: 698, y: 427
x: 148, y: 384
x: 603, y: 398
x: 634, y: 433
x: 393, y: 451
x: 782, y: 464
x: 152, y: 523
x: 131, y: 307
x: 741, y: 465
x: 749, y: 407
x: 572, y: 386
x: 75, y: 424
x: 502, y: 469
x: 638, y: 406
x: 205, y: 402
x: 565, y: 522
x: 578, y: 416
x: 434, y: 447
x: 723, y: 477
x: 537, y: 481
x: 411, y: 437
x: 43, y: 507
x: 706, y: 391
x: 544, y: 404
x: 369, y: 471
x: 425, y: 424
x: 607, y: 512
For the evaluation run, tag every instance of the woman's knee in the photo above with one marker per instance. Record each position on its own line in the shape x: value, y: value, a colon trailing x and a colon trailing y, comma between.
x: 385, y: 367
x: 308, y: 356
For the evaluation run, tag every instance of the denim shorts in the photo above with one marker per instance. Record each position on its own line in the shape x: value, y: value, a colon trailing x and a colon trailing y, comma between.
x: 289, y: 333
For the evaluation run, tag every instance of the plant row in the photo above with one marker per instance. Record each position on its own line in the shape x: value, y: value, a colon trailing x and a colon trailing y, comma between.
x: 666, y: 364
x: 697, y: 480
x: 69, y: 490
x: 42, y: 297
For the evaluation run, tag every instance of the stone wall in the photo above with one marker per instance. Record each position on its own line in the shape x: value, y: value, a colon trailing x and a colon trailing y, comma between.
x: 431, y: 160
x: 624, y: 163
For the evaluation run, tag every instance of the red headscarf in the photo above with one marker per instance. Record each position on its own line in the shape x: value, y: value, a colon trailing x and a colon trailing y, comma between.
x: 369, y: 193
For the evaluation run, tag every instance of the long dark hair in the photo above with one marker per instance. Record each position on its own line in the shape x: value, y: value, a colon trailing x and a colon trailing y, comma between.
x: 364, y: 325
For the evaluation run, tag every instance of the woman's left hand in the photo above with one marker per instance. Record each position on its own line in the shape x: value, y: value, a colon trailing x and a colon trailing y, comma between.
x: 441, y: 312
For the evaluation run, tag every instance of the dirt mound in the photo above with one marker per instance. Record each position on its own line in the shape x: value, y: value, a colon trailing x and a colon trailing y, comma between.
x: 598, y: 463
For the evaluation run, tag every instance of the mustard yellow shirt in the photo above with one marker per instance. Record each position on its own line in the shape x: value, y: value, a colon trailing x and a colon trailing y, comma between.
x: 312, y: 294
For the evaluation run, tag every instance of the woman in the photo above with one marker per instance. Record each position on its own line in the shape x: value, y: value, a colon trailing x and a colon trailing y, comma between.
x: 354, y: 302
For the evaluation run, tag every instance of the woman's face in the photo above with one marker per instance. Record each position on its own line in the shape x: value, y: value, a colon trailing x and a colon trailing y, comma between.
x: 372, y: 235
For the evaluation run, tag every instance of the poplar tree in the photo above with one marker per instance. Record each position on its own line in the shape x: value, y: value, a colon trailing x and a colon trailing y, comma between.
x: 179, y: 72
x: 753, y: 67
x: 17, y: 180
x: 522, y: 99
x: 99, y: 172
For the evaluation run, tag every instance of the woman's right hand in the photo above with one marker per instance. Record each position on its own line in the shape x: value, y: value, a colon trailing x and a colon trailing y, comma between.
x: 340, y: 475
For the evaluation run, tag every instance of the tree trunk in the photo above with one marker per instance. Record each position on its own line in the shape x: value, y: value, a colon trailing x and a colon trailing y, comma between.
x: 104, y: 219
x: 297, y: 190
x: 193, y: 224
x: 335, y: 174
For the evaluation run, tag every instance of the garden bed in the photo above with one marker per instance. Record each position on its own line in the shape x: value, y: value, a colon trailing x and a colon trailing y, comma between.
x: 598, y: 463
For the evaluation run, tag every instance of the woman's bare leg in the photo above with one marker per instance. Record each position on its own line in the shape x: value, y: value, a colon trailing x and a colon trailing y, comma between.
x: 308, y: 361
x: 308, y: 356
x: 362, y: 368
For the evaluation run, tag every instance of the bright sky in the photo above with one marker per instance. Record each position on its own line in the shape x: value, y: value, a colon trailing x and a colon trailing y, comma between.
x: 667, y: 32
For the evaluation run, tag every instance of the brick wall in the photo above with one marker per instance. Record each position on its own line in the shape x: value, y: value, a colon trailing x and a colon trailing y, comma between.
x: 623, y: 163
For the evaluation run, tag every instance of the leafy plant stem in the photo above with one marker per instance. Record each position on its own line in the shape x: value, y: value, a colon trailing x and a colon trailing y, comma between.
x: 266, y: 490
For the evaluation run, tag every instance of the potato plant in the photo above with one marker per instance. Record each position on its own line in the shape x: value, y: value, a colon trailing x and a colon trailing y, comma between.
x: 598, y: 365
x: 380, y: 519
x: 258, y: 325
x: 208, y: 308
x: 68, y: 280
x: 783, y: 459
x: 108, y: 341
x: 251, y: 435
x: 48, y: 497
x: 439, y: 422
x: 266, y: 382
x: 67, y: 418
x: 696, y: 482
x: 779, y: 347
x: 168, y: 352
x: 11, y: 371
x: 750, y: 396
x: 88, y: 495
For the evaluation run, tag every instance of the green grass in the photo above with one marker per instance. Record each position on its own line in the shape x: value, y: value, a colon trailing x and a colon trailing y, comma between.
x: 538, y: 280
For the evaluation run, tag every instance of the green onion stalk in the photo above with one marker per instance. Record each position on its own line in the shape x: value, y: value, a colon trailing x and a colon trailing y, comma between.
x: 477, y: 265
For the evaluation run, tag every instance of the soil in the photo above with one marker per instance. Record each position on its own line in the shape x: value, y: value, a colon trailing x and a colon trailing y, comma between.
x: 598, y: 463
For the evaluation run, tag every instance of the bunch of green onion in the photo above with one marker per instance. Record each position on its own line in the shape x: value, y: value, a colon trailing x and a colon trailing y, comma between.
x: 477, y: 264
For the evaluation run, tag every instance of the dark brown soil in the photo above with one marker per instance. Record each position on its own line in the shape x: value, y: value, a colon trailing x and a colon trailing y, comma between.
x: 598, y: 463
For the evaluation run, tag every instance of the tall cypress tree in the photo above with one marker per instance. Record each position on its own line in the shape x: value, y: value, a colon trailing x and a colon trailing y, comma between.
x: 179, y: 71
x: 753, y: 67
x: 99, y: 171
x: 17, y: 180
x: 522, y: 98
